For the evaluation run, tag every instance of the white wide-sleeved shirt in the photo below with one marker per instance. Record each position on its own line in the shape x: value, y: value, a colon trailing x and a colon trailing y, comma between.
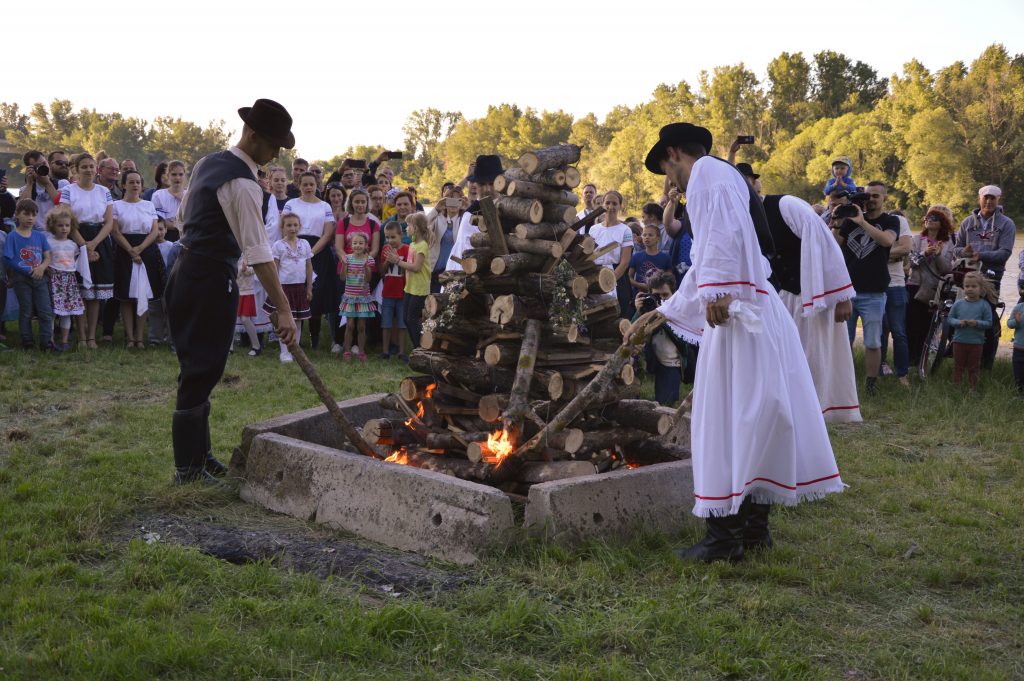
x: 314, y: 215
x: 291, y: 262
x: 134, y: 218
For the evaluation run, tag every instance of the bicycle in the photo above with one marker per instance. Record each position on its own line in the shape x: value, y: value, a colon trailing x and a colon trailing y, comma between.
x: 938, y: 343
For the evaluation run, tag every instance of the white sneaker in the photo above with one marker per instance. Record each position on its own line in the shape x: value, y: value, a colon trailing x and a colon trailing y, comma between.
x: 286, y: 357
x: 355, y: 350
x: 335, y: 349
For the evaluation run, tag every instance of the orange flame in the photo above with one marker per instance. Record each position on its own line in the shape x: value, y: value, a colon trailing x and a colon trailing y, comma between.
x: 499, y: 446
x: 420, y: 410
x: 399, y: 456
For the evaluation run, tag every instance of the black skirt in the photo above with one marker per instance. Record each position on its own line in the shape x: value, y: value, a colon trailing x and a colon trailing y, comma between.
x: 102, y: 270
x: 326, y: 290
x: 151, y: 258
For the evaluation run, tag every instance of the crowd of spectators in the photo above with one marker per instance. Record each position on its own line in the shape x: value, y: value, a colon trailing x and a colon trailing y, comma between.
x: 88, y: 243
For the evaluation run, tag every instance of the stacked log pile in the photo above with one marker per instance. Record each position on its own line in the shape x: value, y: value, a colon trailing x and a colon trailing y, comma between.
x: 525, y: 334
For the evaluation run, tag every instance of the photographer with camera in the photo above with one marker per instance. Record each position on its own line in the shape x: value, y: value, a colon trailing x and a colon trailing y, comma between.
x: 665, y: 351
x: 39, y: 186
x: 866, y: 234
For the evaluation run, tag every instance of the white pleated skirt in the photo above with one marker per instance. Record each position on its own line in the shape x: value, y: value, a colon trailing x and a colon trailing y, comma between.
x: 757, y: 427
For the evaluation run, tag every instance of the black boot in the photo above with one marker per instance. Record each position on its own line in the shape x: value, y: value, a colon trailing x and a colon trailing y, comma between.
x: 756, y: 534
x: 724, y: 541
x: 188, y: 434
x: 212, y: 465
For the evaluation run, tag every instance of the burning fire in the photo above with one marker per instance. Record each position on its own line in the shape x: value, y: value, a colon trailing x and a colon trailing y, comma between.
x: 399, y: 456
x: 420, y: 411
x: 499, y: 445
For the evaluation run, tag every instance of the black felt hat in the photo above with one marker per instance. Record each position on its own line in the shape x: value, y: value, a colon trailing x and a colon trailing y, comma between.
x: 487, y: 167
x: 745, y: 169
x: 675, y: 134
x: 271, y: 120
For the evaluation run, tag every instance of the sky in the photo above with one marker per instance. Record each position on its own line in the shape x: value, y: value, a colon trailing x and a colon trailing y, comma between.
x: 350, y: 73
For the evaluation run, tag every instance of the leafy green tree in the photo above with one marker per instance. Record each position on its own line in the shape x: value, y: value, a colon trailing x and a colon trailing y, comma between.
x: 789, y: 78
x: 730, y: 102
x: 175, y: 138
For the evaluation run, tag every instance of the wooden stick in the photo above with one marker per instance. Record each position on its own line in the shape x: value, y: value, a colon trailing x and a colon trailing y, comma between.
x: 494, y: 232
x: 549, y: 157
x: 579, y: 403
x: 554, y: 177
x: 552, y: 249
x: 572, y: 178
x: 523, y: 210
x: 543, y: 230
x: 531, y: 190
x: 517, y: 402
x: 353, y: 435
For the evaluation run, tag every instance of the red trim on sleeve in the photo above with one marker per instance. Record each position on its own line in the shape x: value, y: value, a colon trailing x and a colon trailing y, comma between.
x: 827, y: 293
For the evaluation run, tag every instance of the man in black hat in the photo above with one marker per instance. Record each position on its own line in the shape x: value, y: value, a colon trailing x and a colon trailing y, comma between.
x: 757, y: 432
x: 222, y: 217
x: 485, y: 169
x: 750, y: 176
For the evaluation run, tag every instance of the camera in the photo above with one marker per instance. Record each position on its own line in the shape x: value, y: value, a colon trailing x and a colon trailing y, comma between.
x: 42, y: 170
x: 858, y: 199
x: 650, y: 302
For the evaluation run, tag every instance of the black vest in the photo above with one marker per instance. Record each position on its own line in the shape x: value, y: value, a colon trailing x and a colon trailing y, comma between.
x: 207, y: 231
x: 764, y: 234
x: 786, y: 261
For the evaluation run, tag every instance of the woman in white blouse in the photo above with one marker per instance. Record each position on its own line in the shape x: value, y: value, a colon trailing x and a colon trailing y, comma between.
x: 317, y: 229
x: 135, y: 234
x: 92, y: 205
x: 612, y: 231
x: 167, y: 201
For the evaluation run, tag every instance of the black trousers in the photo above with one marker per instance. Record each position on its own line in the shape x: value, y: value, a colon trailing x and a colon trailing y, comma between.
x: 202, y: 303
x: 1018, y: 369
x: 413, y: 310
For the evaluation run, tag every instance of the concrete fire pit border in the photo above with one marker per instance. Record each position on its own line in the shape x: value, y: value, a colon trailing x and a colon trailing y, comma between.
x: 298, y: 464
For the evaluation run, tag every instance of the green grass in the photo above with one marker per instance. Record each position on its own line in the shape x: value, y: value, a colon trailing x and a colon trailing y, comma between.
x: 915, y: 572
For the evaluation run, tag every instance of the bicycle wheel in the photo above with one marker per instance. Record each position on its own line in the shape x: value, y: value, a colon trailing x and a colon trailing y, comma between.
x: 945, y: 345
x: 931, y: 346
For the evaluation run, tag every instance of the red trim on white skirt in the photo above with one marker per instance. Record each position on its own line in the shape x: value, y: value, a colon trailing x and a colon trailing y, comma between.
x: 750, y: 482
x: 825, y: 411
x: 735, y: 283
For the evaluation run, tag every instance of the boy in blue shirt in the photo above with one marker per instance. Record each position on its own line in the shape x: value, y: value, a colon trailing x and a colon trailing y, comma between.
x: 842, y: 176
x: 26, y: 257
x: 646, y: 262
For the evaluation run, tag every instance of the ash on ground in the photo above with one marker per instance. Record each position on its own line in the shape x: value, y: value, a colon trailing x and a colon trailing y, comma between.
x: 388, y: 573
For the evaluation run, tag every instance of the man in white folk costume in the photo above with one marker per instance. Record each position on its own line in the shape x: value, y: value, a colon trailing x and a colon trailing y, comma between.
x: 810, y: 274
x: 757, y: 432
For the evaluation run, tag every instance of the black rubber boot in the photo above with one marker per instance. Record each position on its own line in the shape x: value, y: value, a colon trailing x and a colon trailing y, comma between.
x: 212, y: 465
x: 756, y: 535
x: 724, y: 541
x: 188, y: 435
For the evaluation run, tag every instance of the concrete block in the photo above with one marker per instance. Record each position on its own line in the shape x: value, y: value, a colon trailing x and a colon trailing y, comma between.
x: 616, y: 504
x: 314, y: 425
x: 399, y: 506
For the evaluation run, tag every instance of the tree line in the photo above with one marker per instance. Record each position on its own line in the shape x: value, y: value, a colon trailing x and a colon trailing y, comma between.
x: 932, y: 137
